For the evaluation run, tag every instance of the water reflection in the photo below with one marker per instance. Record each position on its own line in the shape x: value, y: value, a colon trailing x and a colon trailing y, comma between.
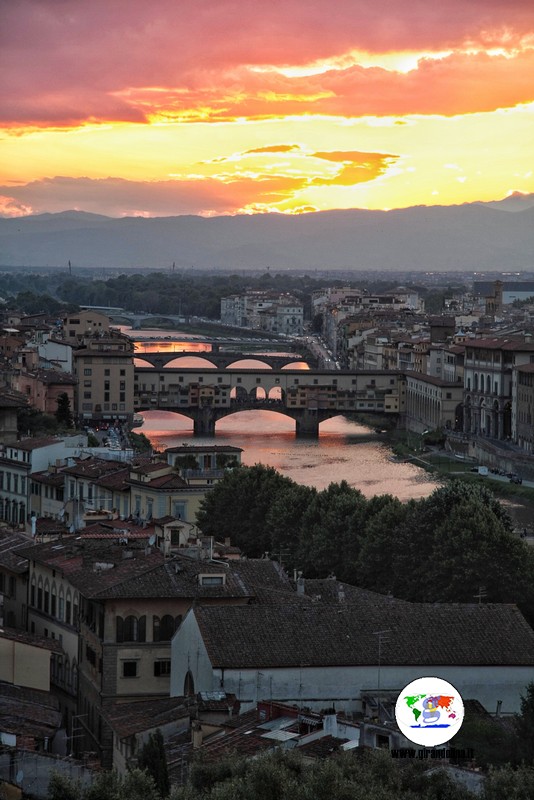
x: 344, y: 451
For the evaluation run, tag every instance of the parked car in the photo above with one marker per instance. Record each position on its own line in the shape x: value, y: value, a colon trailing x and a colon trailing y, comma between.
x: 516, y: 479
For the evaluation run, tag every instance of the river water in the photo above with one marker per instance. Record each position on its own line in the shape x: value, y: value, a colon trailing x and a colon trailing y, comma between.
x: 343, y: 451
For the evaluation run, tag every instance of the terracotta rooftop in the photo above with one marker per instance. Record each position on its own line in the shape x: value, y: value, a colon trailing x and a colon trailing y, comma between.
x: 514, y: 345
x: 35, y: 444
x: 168, y: 483
x: 93, y: 468
x: 30, y: 638
x: 48, y: 478
x: 116, y: 529
x: 115, y: 481
x: 432, y: 380
x: 137, y: 716
x: 151, y: 575
x: 28, y: 712
x: 9, y: 558
x: 11, y: 399
x: 253, y: 637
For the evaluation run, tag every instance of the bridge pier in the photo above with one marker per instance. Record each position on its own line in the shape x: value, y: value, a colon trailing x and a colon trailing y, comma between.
x: 204, y: 422
x: 307, y: 425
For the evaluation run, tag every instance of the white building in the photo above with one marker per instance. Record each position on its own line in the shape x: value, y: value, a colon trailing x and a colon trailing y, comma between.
x: 321, y: 654
x: 18, y: 461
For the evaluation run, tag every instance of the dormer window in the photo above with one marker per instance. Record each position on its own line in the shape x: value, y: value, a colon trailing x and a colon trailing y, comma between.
x: 212, y: 580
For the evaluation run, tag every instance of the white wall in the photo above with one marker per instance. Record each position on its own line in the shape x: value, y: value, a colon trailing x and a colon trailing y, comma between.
x: 188, y: 652
x: 316, y: 686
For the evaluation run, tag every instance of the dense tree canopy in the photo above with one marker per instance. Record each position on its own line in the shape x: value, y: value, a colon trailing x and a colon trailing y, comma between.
x: 450, y: 547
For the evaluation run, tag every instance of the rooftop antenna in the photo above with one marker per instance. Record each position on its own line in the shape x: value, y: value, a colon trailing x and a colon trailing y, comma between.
x: 382, y: 637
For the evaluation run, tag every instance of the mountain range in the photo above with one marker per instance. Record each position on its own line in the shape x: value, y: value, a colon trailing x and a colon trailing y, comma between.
x: 475, y: 236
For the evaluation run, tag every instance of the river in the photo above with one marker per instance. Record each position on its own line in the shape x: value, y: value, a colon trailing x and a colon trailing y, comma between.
x: 343, y: 451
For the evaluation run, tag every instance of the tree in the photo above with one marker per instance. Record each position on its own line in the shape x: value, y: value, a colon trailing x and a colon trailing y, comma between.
x: 525, y: 725
x: 137, y: 785
x: 510, y: 783
x: 444, y: 548
x: 63, y: 411
x: 152, y: 759
x: 284, y: 519
x: 61, y: 787
x: 238, y: 507
x: 329, y: 531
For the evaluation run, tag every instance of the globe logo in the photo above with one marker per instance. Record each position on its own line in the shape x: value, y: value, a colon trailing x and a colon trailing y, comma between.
x: 429, y: 711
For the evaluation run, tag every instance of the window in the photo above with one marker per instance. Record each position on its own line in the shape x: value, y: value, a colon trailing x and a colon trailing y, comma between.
x: 68, y: 608
x: 162, y: 668
x: 178, y: 509
x: 106, y: 372
x: 163, y: 629
x: 131, y: 629
x: 40, y: 598
x: 88, y: 371
x: 211, y: 580
x: 129, y: 669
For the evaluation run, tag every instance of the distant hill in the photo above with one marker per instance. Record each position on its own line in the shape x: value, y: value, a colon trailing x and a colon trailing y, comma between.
x: 475, y: 236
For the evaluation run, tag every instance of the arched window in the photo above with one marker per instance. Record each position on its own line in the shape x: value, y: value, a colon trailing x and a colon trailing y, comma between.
x: 22, y: 513
x: 476, y: 381
x: 61, y: 607
x: 53, y: 600
x: 75, y: 610
x: 131, y: 629
x: 68, y: 608
x: 488, y: 384
x: 164, y: 628
x: 46, y: 606
x: 189, y: 684
x: 40, y: 594
x: 32, y: 590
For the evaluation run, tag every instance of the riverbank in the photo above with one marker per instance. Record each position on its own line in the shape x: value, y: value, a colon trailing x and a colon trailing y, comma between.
x: 518, y: 499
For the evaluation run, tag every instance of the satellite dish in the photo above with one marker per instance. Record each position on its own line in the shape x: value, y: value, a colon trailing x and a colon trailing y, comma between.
x: 152, y: 539
x: 20, y: 776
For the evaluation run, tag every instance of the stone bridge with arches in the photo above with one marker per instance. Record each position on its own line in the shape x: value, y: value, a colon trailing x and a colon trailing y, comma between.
x: 221, y: 359
x: 307, y: 396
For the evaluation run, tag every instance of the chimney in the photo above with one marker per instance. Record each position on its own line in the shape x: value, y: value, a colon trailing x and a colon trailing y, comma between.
x: 227, y: 541
x: 498, y: 709
x: 196, y: 734
x: 330, y: 723
x: 300, y: 584
x: 340, y: 593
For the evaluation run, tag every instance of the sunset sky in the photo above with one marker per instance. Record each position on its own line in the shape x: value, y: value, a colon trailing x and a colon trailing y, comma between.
x: 130, y: 107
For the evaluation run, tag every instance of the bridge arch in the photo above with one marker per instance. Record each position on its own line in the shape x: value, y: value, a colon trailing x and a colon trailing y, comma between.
x: 298, y: 364
x: 191, y: 362
x: 143, y: 362
x: 249, y: 363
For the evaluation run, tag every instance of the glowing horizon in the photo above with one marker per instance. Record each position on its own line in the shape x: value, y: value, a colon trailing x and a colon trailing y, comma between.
x: 123, y: 108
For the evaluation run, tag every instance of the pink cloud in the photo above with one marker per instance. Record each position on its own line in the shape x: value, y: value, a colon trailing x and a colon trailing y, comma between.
x: 67, y: 61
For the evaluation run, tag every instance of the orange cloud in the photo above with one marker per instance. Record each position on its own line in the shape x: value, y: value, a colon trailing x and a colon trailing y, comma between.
x: 274, y: 148
x: 223, y: 193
